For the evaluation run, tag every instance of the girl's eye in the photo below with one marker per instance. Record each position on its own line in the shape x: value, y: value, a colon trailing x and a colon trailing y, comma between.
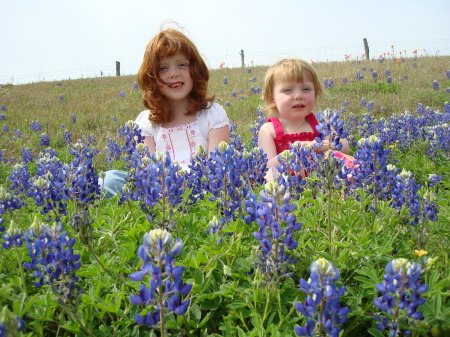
x: 162, y: 68
x: 183, y: 65
x: 307, y: 89
x: 286, y: 90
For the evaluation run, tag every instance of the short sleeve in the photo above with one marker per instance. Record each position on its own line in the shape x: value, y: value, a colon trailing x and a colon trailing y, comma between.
x: 144, y: 123
x: 215, y: 117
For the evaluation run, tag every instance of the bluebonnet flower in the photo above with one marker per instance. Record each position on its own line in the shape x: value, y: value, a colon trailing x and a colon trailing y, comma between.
x: 135, y: 86
x: 27, y: 155
x: 10, y: 324
x: 114, y: 119
x: 321, y: 308
x: 132, y: 134
x: 122, y: 94
x: 73, y: 118
x: 254, y: 128
x: 13, y: 236
x: 20, y: 179
x: 370, y: 106
x: 389, y: 79
x: 17, y: 134
x: 165, y: 279
x: 405, y: 193
x: 273, y: 213
x: 83, y: 179
x: 249, y: 70
x: 253, y: 79
x: 328, y: 83
x: 374, y: 75
x: 345, y: 103
x: 344, y: 80
x: 44, y: 140
x: 228, y: 103
x: 363, y: 102
x: 234, y: 94
x: 36, y: 126
x: 61, y: 98
x: 447, y: 73
x: 2, y: 117
x: 67, y: 137
x: 3, y: 108
x: 52, y: 259
x: 59, y: 84
x: 359, y: 76
x: 435, y: 85
x: 8, y: 202
x: 49, y: 185
x: 400, y: 297
x: 225, y: 80
x: 235, y: 138
x: 5, y: 128
x: 387, y: 72
x: 114, y: 151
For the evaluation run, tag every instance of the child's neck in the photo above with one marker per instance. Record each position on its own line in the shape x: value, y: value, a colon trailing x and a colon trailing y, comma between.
x: 296, y: 126
x: 180, y: 117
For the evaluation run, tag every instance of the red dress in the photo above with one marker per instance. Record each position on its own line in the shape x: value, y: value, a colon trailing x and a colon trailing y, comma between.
x: 283, y: 141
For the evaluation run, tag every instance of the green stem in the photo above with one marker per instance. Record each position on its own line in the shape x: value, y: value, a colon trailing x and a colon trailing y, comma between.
x: 97, y: 259
x: 22, y: 275
x: 75, y: 319
x: 160, y: 301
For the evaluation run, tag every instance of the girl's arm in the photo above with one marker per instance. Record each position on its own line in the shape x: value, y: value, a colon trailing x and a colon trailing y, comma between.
x: 150, y: 143
x: 265, y: 142
x: 215, y: 136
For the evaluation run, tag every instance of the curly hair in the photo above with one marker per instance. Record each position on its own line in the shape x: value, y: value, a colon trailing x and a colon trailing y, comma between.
x: 288, y: 69
x: 166, y: 44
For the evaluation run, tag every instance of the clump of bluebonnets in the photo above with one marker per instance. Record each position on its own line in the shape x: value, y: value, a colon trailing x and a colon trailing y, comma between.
x: 323, y: 312
x: 273, y: 213
x: 165, y: 279
x: 155, y: 181
x: 400, y: 297
x: 231, y: 174
x: 53, y: 260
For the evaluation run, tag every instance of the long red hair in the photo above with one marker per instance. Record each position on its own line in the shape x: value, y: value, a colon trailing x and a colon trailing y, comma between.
x: 167, y: 43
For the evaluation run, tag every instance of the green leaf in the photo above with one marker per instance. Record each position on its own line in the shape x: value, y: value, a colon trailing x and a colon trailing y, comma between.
x: 375, y: 332
x: 198, y: 276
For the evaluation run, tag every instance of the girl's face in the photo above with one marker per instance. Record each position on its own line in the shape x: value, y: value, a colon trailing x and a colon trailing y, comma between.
x: 294, y: 100
x: 177, y: 82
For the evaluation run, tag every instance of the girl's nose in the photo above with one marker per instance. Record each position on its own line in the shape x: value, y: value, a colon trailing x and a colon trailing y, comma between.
x: 298, y: 94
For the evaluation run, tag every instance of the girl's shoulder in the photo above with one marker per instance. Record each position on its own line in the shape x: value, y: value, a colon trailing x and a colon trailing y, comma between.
x: 215, y: 112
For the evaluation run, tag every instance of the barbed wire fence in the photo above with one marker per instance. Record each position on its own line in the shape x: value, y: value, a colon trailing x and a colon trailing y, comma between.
x: 354, y: 51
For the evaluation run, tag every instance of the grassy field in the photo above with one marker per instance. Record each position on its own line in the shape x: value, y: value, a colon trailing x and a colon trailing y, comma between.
x: 247, y: 247
x: 101, y: 105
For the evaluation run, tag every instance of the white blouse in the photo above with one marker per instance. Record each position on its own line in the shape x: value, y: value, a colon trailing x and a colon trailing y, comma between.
x: 182, y: 141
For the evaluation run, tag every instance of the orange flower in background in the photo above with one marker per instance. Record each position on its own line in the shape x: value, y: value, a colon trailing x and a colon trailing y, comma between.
x: 398, y: 61
x: 415, y: 51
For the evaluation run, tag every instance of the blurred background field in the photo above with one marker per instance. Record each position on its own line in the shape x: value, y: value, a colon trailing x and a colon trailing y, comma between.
x: 97, y: 107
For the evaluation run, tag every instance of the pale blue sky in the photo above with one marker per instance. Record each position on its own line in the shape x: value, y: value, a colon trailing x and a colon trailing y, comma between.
x: 58, y: 39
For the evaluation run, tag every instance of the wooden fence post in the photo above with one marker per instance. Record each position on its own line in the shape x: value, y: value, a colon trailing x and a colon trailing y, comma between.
x: 242, y: 57
x: 117, y: 68
x: 366, y: 48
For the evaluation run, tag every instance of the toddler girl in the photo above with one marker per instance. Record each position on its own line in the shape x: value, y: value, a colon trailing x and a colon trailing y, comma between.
x: 291, y: 88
